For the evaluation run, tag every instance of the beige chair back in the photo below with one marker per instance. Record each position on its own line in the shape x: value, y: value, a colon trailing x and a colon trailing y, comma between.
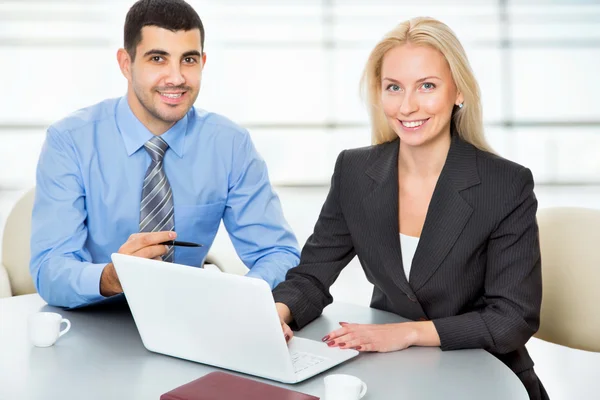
x: 570, y: 246
x: 15, y: 245
x: 222, y: 255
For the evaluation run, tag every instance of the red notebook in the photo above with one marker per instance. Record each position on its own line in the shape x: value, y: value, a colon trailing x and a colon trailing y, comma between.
x: 224, y: 386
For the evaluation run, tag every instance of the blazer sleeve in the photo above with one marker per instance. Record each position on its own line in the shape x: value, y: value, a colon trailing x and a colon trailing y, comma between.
x: 327, y: 251
x: 513, y: 283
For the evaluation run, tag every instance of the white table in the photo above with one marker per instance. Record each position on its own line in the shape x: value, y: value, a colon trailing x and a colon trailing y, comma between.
x: 102, y: 357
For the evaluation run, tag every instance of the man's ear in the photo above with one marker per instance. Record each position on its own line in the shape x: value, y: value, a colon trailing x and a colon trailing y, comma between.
x: 124, y: 61
x: 203, y: 59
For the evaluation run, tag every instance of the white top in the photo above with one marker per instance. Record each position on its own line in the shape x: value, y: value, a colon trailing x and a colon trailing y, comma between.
x: 408, y: 244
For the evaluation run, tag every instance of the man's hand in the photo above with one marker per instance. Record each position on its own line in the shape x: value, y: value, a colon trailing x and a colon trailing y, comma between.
x: 145, y: 245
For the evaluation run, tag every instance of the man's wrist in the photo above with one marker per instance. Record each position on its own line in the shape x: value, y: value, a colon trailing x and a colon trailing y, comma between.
x: 108, y: 281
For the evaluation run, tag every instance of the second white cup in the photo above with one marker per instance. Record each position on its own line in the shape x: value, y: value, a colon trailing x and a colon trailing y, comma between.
x: 44, y: 328
x: 344, y: 387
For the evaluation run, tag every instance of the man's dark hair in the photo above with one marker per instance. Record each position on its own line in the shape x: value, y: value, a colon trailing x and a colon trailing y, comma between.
x: 174, y: 15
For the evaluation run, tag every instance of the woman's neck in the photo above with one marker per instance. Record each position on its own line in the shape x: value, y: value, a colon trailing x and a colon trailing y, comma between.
x: 424, y: 161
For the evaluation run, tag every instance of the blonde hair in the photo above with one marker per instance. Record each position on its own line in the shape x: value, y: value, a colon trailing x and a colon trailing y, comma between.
x: 423, y: 31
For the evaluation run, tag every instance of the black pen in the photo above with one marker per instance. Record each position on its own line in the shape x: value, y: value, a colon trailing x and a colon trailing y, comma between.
x: 182, y: 244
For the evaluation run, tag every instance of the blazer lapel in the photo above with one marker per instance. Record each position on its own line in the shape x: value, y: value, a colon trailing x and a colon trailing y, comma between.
x: 448, y: 212
x: 381, y: 211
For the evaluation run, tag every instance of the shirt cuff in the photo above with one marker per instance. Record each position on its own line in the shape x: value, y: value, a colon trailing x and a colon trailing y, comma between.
x: 90, y: 282
x: 256, y: 273
x: 273, y: 268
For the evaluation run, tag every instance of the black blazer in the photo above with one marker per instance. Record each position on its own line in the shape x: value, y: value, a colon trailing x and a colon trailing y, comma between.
x: 476, y: 272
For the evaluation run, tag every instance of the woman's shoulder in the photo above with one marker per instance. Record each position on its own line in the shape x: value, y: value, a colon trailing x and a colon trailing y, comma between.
x: 502, y: 177
x: 495, y: 166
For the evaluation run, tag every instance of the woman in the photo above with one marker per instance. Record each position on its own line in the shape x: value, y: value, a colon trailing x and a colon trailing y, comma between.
x: 444, y: 229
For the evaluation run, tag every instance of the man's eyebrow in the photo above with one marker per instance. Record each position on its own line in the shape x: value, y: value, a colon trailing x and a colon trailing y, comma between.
x: 156, y: 52
x: 192, y: 53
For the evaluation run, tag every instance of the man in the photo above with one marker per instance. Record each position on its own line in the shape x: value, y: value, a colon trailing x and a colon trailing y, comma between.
x: 131, y: 173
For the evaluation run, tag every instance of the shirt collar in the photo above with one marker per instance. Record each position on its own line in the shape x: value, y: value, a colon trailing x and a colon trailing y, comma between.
x: 135, y: 134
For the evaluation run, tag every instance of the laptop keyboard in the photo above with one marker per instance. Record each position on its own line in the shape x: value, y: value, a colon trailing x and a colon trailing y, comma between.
x: 303, y: 360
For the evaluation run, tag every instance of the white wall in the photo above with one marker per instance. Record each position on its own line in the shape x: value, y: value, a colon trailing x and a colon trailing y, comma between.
x: 289, y: 71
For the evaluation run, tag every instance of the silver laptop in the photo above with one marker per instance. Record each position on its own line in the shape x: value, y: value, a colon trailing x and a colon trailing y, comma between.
x: 224, y: 320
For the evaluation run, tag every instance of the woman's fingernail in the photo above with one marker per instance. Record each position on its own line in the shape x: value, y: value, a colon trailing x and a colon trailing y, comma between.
x: 287, y: 338
x: 357, y: 348
x: 343, y: 323
x: 331, y: 343
x: 326, y: 338
x: 342, y: 344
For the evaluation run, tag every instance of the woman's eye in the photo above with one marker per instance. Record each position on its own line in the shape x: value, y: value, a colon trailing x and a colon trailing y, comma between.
x: 393, y: 88
x: 428, y: 86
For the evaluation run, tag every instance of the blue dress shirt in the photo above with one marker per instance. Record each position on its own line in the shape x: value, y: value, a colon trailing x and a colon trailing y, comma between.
x: 89, y: 184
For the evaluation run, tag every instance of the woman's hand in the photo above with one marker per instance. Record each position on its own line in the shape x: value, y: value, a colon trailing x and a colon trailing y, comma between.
x: 383, y: 337
x: 285, y: 317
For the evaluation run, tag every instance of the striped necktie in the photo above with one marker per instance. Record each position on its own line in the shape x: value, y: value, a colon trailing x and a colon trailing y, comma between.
x: 156, y: 210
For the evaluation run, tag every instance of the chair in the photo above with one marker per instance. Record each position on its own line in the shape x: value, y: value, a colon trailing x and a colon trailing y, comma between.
x: 222, y: 255
x: 15, y: 278
x: 570, y: 239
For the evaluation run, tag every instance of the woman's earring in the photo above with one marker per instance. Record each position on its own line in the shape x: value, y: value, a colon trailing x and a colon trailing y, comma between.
x: 460, y: 105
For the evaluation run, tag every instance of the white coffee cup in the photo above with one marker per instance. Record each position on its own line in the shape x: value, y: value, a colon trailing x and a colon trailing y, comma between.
x: 44, y: 328
x: 344, y: 387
